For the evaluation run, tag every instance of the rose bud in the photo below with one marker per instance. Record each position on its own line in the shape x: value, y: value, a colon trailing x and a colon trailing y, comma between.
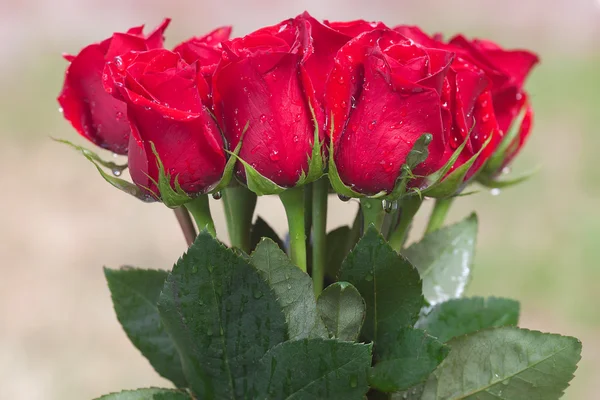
x: 507, y: 69
x: 382, y: 96
x: 471, y: 131
x: 269, y: 87
x: 95, y: 114
x: 166, y: 108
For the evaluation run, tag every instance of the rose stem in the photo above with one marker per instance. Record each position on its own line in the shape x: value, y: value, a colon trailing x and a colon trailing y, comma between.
x: 200, y: 210
x: 186, y: 224
x: 373, y: 213
x: 293, y: 202
x: 239, y: 204
x: 319, y: 232
x: 438, y: 214
x: 408, y: 208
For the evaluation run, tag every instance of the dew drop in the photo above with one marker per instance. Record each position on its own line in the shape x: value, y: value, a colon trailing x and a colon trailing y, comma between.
x: 217, y: 195
x: 116, y: 172
x: 194, y: 269
x: 274, y: 156
x: 495, y: 192
x: 263, y: 118
x: 372, y: 124
x: 61, y: 110
x: 506, y: 170
x: 343, y: 198
x: 296, y: 139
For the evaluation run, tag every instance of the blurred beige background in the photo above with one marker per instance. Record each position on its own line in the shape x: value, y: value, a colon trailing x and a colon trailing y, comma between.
x: 60, y: 223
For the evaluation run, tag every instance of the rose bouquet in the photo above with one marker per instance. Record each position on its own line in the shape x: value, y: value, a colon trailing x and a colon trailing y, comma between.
x: 301, y: 110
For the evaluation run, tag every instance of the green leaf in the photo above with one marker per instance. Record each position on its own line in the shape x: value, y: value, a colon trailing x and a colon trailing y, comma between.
x: 337, y: 247
x: 505, y: 363
x: 257, y: 183
x: 314, y: 369
x: 444, y: 259
x: 459, y: 317
x: 171, y: 198
x: 119, y: 183
x: 387, y: 281
x: 148, y: 394
x: 413, y: 393
x: 260, y: 230
x: 407, y: 360
x: 293, y: 289
x: 222, y: 316
x: 134, y: 294
x: 452, y: 183
x: 343, y: 310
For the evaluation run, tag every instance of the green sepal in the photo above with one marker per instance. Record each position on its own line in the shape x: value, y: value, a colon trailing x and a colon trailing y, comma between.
x: 229, y: 166
x: 417, y: 155
x: 316, y: 165
x: 171, y: 198
x: 496, y: 161
x: 119, y: 183
x: 437, y: 176
x: 257, y: 183
x: 450, y: 185
x: 504, y: 183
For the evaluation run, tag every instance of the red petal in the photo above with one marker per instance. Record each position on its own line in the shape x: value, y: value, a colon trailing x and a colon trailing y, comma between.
x: 390, y: 115
x: 190, y: 150
x: 93, y: 112
x: 265, y: 92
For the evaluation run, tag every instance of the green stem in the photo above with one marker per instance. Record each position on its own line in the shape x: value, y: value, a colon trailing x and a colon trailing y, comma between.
x: 438, y: 214
x: 373, y: 213
x: 293, y: 202
x: 308, y: 199
x: 186, y: 225
x: 239, y: 204
x: 408, y: 208
x: 319, y: 232
x: 201, y: 212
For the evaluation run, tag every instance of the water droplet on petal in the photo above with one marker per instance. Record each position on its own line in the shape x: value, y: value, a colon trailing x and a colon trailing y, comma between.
x: 274, y: 156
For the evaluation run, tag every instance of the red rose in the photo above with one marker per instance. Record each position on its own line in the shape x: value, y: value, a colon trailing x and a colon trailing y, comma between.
x: 95, y: 114
x: 507, y: 70
x: 206, y: 50
x: 383, y: 94
x: 165, y: 106
x: 265, y: 82
x: 354, y: 28
x: 468, y: 109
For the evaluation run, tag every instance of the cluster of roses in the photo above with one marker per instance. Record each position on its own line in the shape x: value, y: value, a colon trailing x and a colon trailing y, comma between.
x: 355, y: 96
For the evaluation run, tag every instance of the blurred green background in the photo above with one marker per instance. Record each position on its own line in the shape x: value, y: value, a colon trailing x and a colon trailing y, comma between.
x: 60, y: 223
